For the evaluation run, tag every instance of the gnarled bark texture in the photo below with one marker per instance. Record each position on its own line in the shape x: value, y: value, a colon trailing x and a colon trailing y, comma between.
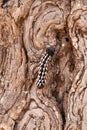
x: 27, y: 28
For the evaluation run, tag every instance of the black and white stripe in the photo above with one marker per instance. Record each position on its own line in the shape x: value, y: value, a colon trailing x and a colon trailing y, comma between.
x: 44, y: 66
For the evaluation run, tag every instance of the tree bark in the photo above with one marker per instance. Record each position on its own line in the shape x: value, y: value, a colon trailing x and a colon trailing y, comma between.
x: 27, y: 28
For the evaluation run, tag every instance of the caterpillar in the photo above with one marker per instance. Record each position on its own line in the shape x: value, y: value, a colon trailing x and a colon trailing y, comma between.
x: 43, y: 66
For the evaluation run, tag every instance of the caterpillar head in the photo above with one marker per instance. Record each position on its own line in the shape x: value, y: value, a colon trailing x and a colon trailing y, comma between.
x: 50, y: 51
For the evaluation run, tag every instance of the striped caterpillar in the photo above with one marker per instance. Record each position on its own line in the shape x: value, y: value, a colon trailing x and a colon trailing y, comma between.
x: 43, y: 66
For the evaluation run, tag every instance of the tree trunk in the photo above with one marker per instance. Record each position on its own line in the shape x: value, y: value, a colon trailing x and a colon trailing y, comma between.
x: 27, y: 28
